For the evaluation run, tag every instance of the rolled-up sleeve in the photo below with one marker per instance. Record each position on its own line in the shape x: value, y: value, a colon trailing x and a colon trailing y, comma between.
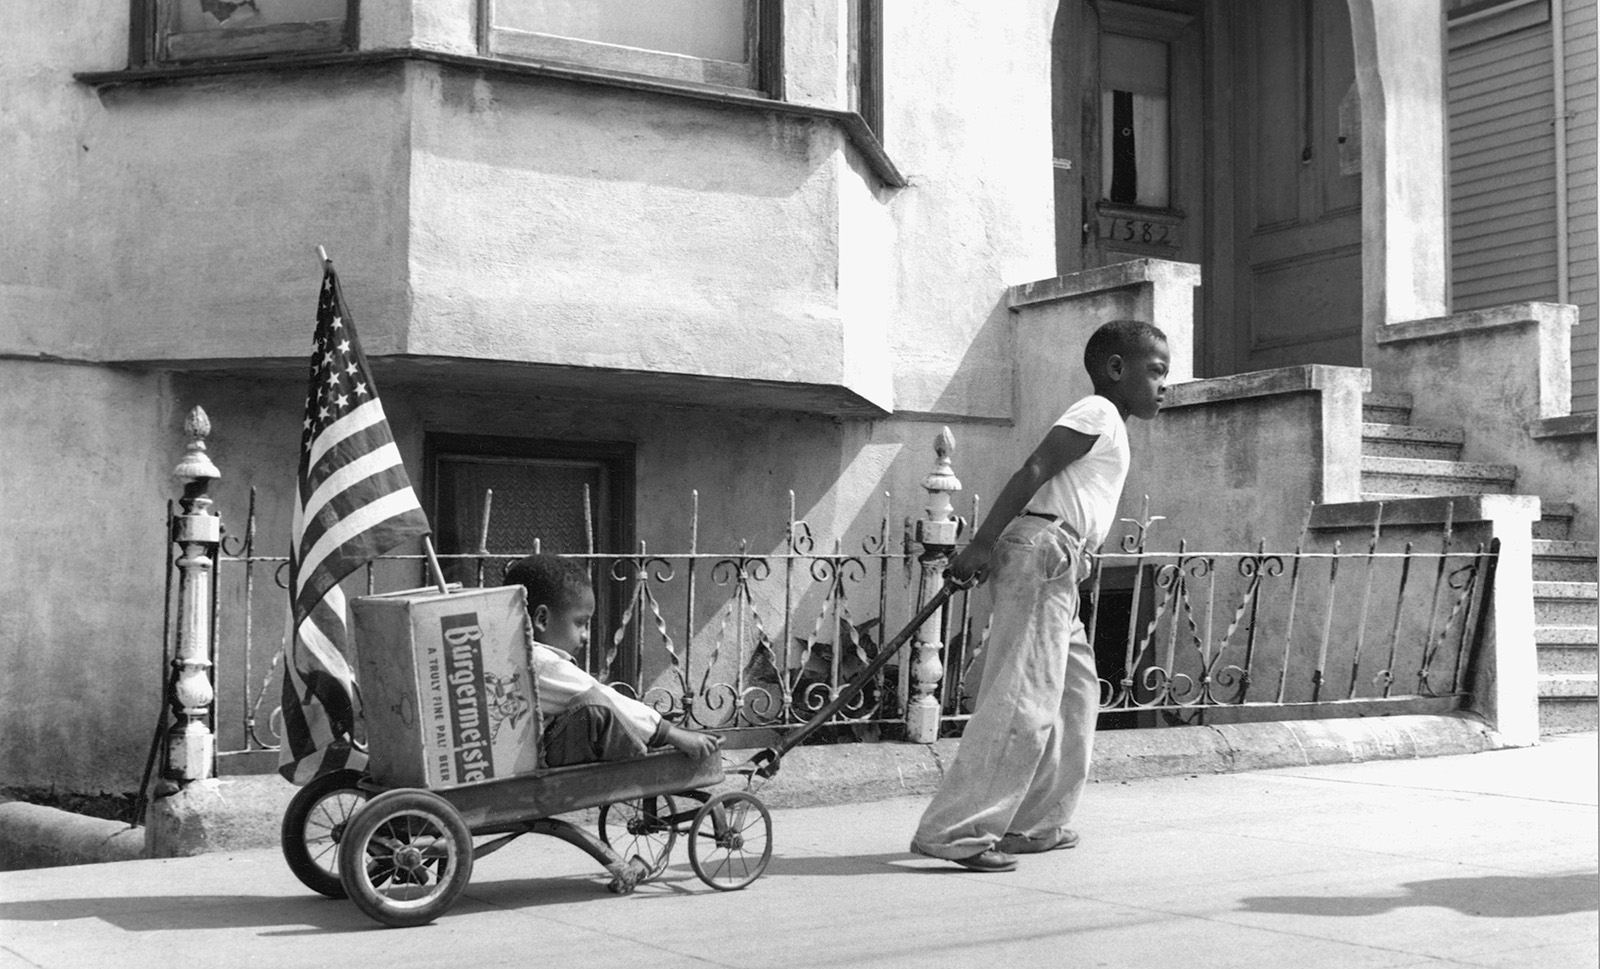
x: 563, y: 685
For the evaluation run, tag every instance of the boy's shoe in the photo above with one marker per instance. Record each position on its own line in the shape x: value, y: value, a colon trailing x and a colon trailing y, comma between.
x: 1020, y: 844
x: 988, y: 859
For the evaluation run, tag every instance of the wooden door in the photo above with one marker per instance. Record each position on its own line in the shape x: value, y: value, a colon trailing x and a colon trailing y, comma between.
x: 1295, y: 185
x: 1129, y: 155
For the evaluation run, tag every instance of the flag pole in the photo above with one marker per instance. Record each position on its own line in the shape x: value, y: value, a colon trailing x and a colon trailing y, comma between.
x: 323, y: 255
x: 433, y: 565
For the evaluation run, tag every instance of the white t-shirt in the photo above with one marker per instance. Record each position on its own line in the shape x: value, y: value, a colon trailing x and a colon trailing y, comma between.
x: 1086, y: 492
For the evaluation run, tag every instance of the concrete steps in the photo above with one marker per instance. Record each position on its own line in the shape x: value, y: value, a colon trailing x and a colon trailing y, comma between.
x: 1563, y: 561
x: 1383, y: 478
x: 1386, y: 408
x: 1405, y: 441
x: 1565, y: 631
x: 1555, y: 520
x: 1564, y: 603
x: 1400, y: 460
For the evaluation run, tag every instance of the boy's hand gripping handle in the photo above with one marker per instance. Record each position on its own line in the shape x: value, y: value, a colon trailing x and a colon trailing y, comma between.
x: 765, y: 762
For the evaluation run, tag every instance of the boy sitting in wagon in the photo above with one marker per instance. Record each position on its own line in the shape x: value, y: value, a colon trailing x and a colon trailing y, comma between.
x: 585, y: 720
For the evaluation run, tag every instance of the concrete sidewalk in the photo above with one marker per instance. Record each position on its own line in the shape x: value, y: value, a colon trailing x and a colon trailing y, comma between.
x: 1485, y: 859
x: 235, y: 813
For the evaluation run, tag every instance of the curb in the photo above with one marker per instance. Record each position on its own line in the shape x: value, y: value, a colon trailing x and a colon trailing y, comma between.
x: 41, y: 837
x: 239, y: 813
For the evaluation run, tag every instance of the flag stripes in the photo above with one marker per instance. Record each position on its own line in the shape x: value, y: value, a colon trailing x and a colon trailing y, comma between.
x: 353, y: 502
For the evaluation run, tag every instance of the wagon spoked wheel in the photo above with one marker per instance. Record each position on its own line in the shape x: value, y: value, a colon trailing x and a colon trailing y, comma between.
x: 405, y: 857
x: 313, y: 826
x: 730, y: 841
x: 642, y: 828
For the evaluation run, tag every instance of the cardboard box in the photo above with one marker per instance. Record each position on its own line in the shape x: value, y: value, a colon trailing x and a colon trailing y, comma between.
x: 445, y: 688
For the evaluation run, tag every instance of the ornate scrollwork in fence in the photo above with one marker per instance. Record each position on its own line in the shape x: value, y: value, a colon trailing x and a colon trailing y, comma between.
x: 755, y: 640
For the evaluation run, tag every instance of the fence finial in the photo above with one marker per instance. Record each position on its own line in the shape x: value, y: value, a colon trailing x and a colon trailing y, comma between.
x: 195, y: 465
x: 943, y: 476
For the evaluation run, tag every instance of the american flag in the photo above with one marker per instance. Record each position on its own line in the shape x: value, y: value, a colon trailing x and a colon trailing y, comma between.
x: 354, y: 503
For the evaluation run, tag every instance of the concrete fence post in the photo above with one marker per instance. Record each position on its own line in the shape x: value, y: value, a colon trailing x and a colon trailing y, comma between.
x: 196, y: 530
x: 936, y: 533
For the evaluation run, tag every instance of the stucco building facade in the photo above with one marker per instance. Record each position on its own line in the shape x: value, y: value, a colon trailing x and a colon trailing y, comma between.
x: 769, y: 250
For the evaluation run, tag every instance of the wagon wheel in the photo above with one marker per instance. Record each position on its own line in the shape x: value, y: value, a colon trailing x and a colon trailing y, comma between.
x: 730, y: 841
x: 643, y: 828
x: 405, y: 857
x: 313, y: 826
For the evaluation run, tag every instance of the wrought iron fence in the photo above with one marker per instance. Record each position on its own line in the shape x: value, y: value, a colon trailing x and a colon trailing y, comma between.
x: 1265, y: 634
x: 749, y: 642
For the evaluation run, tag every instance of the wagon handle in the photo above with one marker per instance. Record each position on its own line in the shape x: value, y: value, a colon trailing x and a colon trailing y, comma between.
x: 765, y: 762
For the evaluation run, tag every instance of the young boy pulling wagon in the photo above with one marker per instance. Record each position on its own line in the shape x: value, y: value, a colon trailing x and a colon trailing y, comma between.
x: 1024, y: 756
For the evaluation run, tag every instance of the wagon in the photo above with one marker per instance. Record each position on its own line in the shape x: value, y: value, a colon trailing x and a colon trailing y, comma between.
x: 404, y: 855
x: 401, y: 838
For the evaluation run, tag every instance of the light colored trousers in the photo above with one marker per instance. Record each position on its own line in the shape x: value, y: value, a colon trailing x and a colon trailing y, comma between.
x: 1024, y: 756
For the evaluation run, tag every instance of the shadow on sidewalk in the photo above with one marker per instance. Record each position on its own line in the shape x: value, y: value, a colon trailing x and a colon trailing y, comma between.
x: 1489, y: 896
x: 309, y: 914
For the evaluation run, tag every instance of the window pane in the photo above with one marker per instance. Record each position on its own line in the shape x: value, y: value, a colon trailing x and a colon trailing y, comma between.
x: 713, y: 29
x: 1134, y: 121
x: 533, y: 499
x: 198, y: 15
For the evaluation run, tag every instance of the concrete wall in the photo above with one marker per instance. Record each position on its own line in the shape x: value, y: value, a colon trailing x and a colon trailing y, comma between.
x: 543, y: 250
x: 517, y: 218
x: 1232, y: 461
x: 1502, y: 676
x: 87, y: 458
x: 1515, y: 362
x: 556, y: 224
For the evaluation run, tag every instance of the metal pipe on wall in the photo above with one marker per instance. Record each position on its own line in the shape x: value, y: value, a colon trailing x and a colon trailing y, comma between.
x: 1558, y: 43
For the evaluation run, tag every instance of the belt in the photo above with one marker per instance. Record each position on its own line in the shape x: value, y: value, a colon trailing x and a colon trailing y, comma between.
x: 1058, y: 521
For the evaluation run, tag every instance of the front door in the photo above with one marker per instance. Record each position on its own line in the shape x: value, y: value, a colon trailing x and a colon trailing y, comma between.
x: 1128, y: 133
x: 1293, y: 266
x: 1227, y: 135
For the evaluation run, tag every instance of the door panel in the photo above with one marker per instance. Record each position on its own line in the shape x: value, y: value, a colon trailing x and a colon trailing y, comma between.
x: 1287, y: 292
x: 1297, y: 271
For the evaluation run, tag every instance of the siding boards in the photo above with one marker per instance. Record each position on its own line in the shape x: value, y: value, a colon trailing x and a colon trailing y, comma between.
x: 1503, y: 171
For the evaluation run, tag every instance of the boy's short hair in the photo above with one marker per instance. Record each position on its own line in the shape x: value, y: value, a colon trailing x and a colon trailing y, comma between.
x: 1119, y: 338
x: 549, y: 579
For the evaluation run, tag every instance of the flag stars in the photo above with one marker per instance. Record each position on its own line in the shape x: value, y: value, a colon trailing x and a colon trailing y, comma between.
x: 338, y: 380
